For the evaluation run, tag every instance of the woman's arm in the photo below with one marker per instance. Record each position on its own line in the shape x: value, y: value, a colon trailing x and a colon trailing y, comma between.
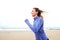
x: 36, y: 26
x: 28, y: 23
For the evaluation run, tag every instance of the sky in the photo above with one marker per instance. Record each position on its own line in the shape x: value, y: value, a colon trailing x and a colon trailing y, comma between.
x: 14, y: 12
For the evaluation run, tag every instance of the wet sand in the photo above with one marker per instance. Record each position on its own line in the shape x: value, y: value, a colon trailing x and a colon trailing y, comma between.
x: 27, y: 35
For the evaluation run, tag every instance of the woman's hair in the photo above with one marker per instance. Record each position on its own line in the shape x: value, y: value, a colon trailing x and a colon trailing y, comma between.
x: 39, y: 12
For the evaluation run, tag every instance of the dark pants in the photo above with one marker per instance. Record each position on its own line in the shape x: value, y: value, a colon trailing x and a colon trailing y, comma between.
x: 47, y: 38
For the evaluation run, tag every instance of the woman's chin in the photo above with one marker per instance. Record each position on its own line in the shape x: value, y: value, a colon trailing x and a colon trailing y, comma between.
x: 32, y: 15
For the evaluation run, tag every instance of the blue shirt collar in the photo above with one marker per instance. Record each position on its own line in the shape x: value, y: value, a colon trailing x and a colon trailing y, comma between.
x: 35, y: 17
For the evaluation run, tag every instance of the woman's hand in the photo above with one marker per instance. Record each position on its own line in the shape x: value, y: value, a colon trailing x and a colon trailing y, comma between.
x: 26, y: 20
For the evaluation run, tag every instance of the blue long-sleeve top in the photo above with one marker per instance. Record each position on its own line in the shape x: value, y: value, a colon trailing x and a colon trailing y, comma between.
x: 37, y: 28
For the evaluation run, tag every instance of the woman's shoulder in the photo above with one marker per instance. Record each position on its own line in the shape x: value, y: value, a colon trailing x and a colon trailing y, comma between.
x: 39, y: 19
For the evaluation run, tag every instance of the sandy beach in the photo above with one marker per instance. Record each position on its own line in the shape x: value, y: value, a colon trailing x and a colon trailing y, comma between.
x: 27, y: 35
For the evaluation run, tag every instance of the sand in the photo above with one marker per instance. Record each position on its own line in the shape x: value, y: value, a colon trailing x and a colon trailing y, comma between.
x: 27, y: 35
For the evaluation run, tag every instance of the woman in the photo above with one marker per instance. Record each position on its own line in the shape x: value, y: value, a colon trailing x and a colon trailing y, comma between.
x: 37, y: 26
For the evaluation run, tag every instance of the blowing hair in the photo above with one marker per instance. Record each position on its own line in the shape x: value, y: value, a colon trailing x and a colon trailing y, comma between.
x: 39, y: 12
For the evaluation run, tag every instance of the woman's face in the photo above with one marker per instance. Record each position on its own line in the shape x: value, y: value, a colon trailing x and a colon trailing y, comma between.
x: 34, y: 13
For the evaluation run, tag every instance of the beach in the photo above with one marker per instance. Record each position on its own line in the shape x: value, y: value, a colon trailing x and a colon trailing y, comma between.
x: 27, y: 35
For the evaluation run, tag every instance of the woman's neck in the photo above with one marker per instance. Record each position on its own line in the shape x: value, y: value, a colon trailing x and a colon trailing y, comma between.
x: 35, y: 16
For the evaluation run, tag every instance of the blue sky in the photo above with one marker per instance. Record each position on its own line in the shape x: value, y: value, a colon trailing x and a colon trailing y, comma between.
x: 14, y: 12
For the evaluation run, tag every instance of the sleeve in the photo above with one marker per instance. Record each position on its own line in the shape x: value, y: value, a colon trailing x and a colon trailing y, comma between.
x: 36, y: 25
